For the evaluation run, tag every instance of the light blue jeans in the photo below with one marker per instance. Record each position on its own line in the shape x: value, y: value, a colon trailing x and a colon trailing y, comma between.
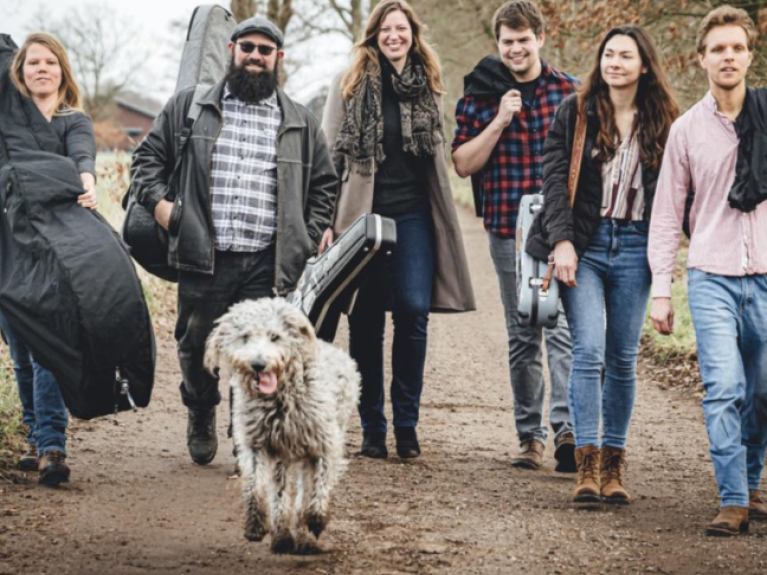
x: 606, y: 312
x: 43, y: 409
x: 526, y: 359
x: 730, y: 317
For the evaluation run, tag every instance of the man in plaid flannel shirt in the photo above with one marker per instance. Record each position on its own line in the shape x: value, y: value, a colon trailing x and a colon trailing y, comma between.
x: 503, y: 120
x: 256, y: 189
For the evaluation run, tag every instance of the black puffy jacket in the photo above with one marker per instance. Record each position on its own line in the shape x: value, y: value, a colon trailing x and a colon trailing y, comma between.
x: 558, y: 221
x: 306, y: 184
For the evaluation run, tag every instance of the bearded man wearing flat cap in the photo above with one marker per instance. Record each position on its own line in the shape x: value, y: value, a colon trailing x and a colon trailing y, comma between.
x: 255, y: 189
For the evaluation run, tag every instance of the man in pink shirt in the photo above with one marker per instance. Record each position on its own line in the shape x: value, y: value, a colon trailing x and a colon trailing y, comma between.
x: 714, y: 152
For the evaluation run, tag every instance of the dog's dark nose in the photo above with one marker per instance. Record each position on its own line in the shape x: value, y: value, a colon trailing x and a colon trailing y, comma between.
x: 258, y: 367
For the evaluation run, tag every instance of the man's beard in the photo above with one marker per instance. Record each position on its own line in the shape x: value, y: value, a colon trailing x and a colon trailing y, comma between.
x: 251, y: 87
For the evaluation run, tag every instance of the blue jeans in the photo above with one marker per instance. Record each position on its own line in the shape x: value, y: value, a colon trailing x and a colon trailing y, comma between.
x: 606, y: 312
x: 525, y: 357
x: 44, y: 412
x: 730, y: 317
x: 405, y: 281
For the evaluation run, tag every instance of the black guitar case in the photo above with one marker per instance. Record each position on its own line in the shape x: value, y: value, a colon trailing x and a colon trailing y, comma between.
x: 68, y: 287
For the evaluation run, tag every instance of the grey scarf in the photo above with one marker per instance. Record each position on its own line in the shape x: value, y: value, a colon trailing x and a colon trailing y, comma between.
x: 359, y: 146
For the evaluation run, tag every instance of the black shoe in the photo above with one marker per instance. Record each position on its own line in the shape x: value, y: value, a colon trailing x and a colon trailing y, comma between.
x: 28, y: 461
x: 565, y: 454
x: 53, y: 470
x: 407, y: 442
x: 201, y: 438
x: 374, y: 445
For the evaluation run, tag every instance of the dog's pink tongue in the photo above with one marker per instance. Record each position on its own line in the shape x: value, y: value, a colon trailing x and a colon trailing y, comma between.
x: 267, y: 383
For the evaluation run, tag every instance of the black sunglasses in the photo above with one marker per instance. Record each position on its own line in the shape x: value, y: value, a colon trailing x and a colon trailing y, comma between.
x: 263, y: 49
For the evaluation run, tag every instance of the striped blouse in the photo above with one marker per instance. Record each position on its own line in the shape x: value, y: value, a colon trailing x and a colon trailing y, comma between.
x: 622, y: 190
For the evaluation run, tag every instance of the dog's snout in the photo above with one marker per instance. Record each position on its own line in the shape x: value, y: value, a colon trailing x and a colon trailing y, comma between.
x: 258, y: 367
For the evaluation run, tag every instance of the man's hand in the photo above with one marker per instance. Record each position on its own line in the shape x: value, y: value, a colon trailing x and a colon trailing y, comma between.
x: 662, y: 315
x: 90, y: 198
x: 565, y: 263
x: 162, y: 213
x: 511, y: 104
x: 326, y: 241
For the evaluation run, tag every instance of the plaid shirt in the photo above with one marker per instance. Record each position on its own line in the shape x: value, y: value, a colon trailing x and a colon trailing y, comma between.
x: 243, y: 179
x: 515, y: 165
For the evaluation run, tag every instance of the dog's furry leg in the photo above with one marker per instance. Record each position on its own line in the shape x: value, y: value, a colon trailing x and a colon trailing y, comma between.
x: 279, y: 510
x: 255, y: 515
x: 305, y: 543
x: 316, y: 515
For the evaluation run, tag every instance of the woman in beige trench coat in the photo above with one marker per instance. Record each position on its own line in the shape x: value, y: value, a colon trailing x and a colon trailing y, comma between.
x: 383, y: 119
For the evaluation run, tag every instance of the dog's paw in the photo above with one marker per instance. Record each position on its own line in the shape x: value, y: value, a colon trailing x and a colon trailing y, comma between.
x: 307, y: 547
x: 282, y: 543
x: 255, y: 530
x: 316, y: 523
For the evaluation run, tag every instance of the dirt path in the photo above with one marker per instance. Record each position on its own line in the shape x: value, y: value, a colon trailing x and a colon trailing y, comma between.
x: 137, y: 504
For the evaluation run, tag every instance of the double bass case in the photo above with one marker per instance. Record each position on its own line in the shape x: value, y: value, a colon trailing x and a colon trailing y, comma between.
x: 68, y: 287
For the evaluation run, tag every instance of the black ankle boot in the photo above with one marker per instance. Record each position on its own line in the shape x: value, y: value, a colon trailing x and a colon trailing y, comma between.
x: 407, y: 442
x: 374, y: 445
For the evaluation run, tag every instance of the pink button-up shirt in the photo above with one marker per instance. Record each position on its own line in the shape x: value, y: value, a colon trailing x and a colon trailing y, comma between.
x: 700, y: 155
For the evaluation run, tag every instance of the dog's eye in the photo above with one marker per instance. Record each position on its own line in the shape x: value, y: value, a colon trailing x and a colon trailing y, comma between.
x: 274, y: 337
x: 245, y: 338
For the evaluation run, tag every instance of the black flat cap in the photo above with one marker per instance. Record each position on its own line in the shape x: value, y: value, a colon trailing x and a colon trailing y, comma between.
x: 259, y: 25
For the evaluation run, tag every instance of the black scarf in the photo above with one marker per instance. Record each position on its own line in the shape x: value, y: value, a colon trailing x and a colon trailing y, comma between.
x: 750, y: 186
x: 490, y: 77
x: 359, y: 145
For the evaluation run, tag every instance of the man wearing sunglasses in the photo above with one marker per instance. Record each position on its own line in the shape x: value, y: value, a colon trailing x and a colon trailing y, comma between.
x: 254, y: 191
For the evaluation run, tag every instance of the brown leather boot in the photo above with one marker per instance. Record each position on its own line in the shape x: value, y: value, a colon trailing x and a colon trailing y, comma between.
x: 757, y: 509
x: 530, y: 454
x: 730, y: 521
x: 587, y: 489
x: 611, y: 475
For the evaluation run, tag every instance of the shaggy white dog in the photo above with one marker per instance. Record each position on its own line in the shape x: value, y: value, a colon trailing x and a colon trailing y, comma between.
x: 293, y: 397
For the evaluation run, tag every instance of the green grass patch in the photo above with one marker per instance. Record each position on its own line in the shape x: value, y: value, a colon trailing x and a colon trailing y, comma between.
x: 11, y: 433
x: 681, y: 343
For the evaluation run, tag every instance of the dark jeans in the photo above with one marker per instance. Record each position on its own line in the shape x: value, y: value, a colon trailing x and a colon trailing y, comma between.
x: 44, y: 412
x: 405, y: 281
x: 202, y: 299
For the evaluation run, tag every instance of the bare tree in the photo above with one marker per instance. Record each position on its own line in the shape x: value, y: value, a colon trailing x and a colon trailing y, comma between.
x: 105, y: 51
x: 243, y: 9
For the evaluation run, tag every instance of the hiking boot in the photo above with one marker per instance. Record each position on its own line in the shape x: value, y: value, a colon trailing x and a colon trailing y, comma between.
x: 530, y: 454
x: 565, y: 453
x: 28, y: 460
x: 407, y: 442
x: 374, y: 445
x: 587, y: 488
x: 757, y: 509
x: 729, y: 522
x: 53, y: 469
x: 201, y: 438
x: 611, y: 475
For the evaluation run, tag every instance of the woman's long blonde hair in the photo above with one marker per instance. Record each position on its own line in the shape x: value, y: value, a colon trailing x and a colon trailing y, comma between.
x: 366, y: 51
x: 69, y: 99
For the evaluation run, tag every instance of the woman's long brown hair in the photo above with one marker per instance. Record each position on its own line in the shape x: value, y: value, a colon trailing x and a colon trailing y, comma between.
x: 366, y: 51
x: 657, y: 107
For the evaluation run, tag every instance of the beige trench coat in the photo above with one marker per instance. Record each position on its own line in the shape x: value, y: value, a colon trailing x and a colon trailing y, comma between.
x: 452, y: 290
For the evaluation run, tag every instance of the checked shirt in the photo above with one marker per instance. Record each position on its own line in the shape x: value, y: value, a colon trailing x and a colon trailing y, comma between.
x: 243, y: 179
x: 514, y: 168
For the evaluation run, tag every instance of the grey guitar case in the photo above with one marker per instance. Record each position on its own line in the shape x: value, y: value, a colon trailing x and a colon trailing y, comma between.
x: 205, y: 57
x: 536, y: 307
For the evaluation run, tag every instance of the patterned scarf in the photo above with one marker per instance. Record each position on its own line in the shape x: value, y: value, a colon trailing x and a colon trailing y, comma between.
x: 359, y: 145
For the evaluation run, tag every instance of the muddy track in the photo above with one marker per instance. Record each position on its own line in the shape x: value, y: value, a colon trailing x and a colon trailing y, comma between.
x: 137, y: 505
